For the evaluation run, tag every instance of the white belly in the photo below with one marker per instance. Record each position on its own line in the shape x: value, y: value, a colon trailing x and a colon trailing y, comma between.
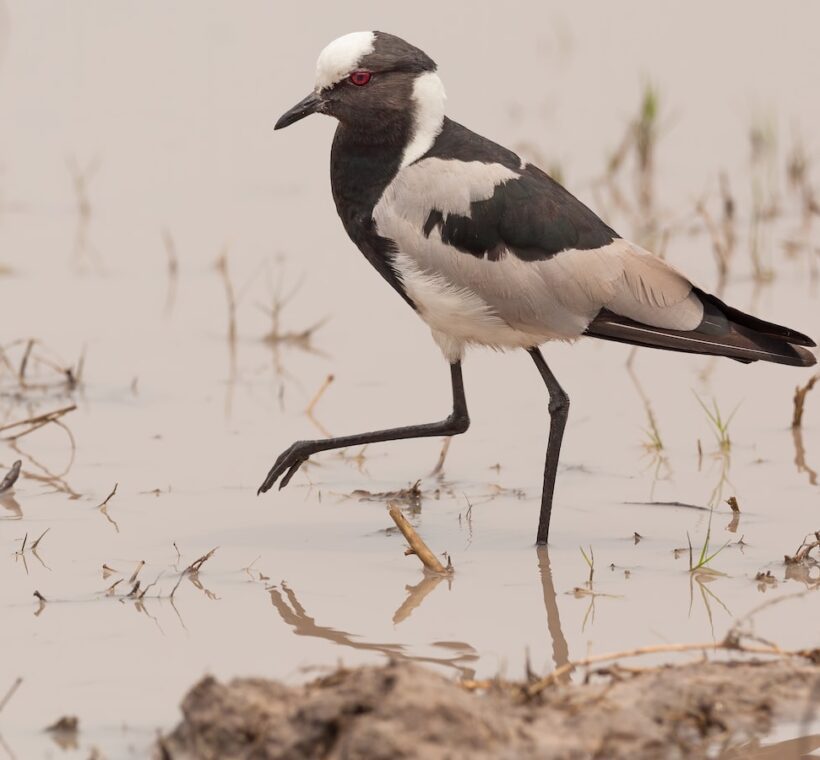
x: 458, y: 316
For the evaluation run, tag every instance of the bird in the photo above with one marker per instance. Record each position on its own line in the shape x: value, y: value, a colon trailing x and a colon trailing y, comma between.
x: 489, y: 250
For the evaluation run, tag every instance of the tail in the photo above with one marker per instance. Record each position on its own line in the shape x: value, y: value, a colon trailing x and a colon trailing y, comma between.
x: 724, y: 331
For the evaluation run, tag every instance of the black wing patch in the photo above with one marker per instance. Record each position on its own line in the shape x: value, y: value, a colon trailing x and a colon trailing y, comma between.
x: 532, y: 216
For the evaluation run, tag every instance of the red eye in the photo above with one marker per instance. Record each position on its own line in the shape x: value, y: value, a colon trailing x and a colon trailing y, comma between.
x: 360, y: 78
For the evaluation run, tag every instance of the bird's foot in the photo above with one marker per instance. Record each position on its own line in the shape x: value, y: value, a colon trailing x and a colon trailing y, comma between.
x: 287, y: 463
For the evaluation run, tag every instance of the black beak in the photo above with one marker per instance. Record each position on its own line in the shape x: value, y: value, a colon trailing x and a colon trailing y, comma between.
x: 311, y: 104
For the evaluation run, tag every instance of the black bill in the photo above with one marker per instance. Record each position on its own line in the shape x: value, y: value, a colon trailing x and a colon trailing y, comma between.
x: 311, y: 104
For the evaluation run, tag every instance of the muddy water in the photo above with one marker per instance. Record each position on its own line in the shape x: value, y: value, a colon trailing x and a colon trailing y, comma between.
x: 160, y: 117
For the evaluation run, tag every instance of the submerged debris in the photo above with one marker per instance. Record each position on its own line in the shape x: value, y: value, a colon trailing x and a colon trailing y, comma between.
x: 802, y: 555
x: 410, y: 496
x: 64, y: 732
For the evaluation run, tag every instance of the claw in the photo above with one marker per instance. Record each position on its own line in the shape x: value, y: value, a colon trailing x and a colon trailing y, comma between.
x: 290, y: 473
x: 288, y: 462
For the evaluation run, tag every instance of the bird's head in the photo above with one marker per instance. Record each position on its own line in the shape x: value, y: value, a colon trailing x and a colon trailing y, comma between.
x: 372, y: 81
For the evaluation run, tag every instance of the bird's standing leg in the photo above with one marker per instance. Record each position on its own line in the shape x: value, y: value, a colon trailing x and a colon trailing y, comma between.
x: 293, y: 457
x: 559, y: 411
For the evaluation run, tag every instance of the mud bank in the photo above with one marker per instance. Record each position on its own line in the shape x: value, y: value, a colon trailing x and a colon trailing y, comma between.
x: 403, y: 711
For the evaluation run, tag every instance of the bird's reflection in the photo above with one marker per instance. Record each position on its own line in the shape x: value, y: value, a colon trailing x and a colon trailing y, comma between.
x: 560, y: 650
x: 294, y: 615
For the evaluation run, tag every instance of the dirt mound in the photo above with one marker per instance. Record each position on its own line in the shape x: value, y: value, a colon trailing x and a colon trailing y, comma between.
x: 403, y: 711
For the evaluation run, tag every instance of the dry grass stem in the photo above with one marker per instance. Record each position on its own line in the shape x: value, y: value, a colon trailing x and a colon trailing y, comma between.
x: 279, y: 336
x: 800, y: 456
x: 230, y: 294
x: 730, y: 643
x: 35, y: 423
x: 445, y: 447
x: 318, y: 395
x: 10, y: 693
x: 800, y: 393
x: 417, y: 545
x: 109, y: 497
x: 25, y: 379
x: 39, y: 538
x: 21, y: 375
x: 193, y: 568
x: 173, y: 268
x: 150, y: 586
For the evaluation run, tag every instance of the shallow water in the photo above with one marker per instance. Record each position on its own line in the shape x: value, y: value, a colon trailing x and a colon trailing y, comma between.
x: 170, y: 110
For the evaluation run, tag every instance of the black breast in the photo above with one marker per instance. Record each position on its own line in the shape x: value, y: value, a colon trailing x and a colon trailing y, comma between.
x: 359, y: 173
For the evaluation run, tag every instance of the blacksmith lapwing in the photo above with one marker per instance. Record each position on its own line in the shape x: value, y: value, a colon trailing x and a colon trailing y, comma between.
x: 488, y: 249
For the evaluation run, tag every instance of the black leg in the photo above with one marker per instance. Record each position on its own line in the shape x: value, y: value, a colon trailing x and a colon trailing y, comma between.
x: 559, y: 411
x: 293, y: 457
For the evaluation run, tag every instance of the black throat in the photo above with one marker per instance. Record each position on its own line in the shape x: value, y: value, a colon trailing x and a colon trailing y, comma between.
x: 362, y: 165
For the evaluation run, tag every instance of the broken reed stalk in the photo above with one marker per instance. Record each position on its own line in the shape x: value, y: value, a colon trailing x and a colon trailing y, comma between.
x: 11, y: 476
x: 417, y: 545
x: 800, y: 400
x: 193, y: 568
x: 173, y: 268
x: 230, y: 294
x: 136, y: 572
x: 34, y: 546
x: 445, y: 447
x: 24, y: 361
x: 315, y: 400
x: 35, y: 423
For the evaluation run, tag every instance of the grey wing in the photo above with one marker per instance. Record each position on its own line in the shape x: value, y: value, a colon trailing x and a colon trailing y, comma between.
x: 524, y: 251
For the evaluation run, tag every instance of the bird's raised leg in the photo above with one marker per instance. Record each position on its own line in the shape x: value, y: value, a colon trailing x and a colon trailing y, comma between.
x: 559, y: 411
x: 293, y: 457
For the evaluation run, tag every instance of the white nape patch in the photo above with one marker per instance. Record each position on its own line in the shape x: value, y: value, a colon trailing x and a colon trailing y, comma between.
x: 341, y: 57
x: 428, y: 98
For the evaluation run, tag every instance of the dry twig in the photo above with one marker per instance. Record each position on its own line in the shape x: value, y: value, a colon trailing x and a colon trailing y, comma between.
x: 417, y: 545
x: 109, y: 497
